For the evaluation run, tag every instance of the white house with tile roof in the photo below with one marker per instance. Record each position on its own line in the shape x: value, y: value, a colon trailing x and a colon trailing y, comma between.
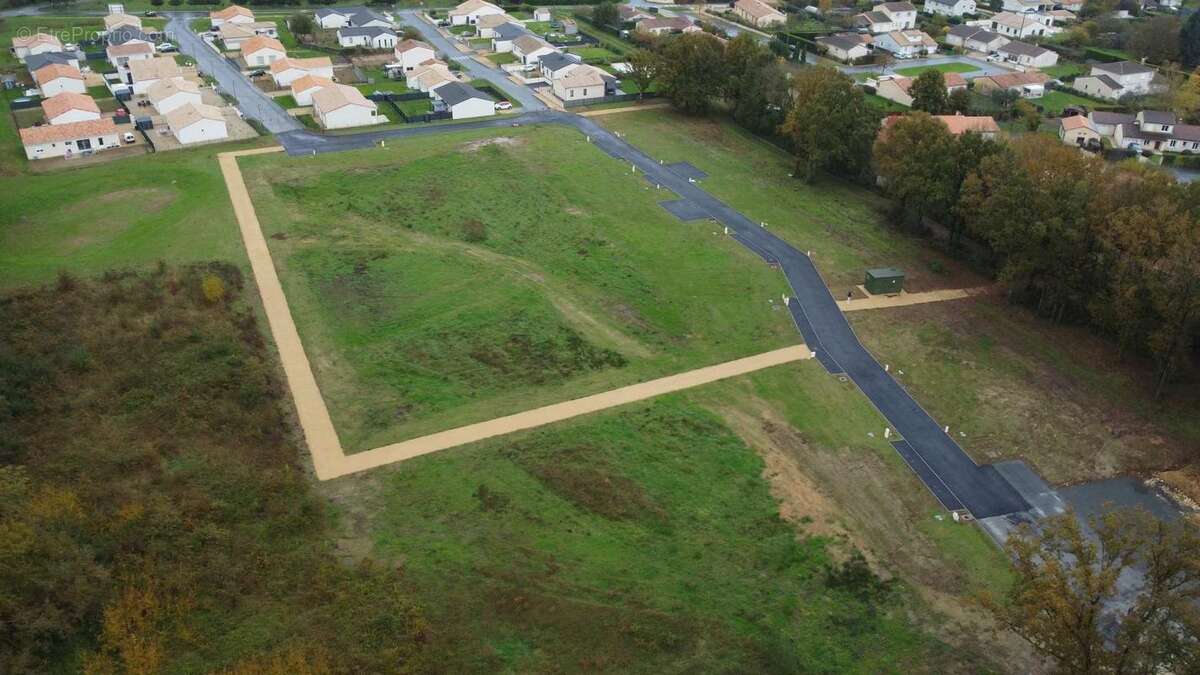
x: 342, y: 107
x: 197, y: 123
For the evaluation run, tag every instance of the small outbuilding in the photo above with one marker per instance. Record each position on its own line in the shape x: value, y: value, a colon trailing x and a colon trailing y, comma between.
x: 884, y: 281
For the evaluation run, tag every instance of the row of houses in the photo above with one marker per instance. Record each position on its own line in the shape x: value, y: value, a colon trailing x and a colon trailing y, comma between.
x: 1151, y: 130
x: 904, y: 44
x: 980, y: 40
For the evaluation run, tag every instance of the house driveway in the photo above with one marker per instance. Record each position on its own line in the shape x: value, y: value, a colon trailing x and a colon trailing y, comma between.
x: 982, y: 67
x: 251, y: 100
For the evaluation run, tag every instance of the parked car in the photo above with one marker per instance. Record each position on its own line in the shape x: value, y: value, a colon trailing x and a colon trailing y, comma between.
x: 503, y: 105
x: 128, y: 137
x: 70, y: 47
x: 149, y: 12
x: 166, y: 47
x: 257, y: 73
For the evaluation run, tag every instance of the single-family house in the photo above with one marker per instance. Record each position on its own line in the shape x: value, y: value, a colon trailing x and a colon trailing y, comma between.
x: 126, y: 35
x: 846, y: 47
x: 975, y: 39
x: 429, y: 78
x: 631, y: 14
x: 35, y: 61
x: 115, y: 21
x: 1027, y: 56
x: 529, y: 49
x: 342, y: 106
x: 55, y: 78
x: 1026, y: 6
x: 468, y: 13
x: 69, y: 107
x: 583, y: 82
x: 896, y: 88
x: 261, y: 50
x: 1058, y: 17
x: 288, y: 70
x: 39, y: 43
x: 65, y: 140
x: 554, y: 66
x: 304, y: 87
x: 874, y: 22
x: 1019, y: 26
x: 1111, y: 81
x: 197, y: 123
x: 411, y: 53
x: 486, y: 26
x: 121, y: 55
x: 504, y: 35
x: 541, y: 14
x: 1071, y: 5
x: 350, y: 17
x: 148, y: 72
x: 902, y: 14
x: 959, y: 8
x: 958, y: 125
x: 464, y: 101
x: 1158, y: 132
x: 169, y: 94
x: 1077, y: 130
x: 1106, y: 123
x: 234, y: 35
x: 231, y: 14
x: 906, y: 44
x: 758, y: 13
x: 1030, y: 84
x: 370, y: 37
x: 662, y: 25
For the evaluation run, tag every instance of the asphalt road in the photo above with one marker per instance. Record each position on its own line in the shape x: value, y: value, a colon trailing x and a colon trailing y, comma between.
x: 949, y: 473
x: 982, y: 67
x: 251, y: 100
x: 519, y: 93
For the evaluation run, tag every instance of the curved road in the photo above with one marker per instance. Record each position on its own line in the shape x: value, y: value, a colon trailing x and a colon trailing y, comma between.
x: 949, y: 473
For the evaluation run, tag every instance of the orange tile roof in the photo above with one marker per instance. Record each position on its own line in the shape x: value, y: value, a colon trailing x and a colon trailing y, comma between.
x: 288, y: 63
x: 53, y: 71
x: 960, y: 124
x: 230, y: 12
x: 53, y: 133
x: 36, y: 39
x: 309, y: 81
x: 68, y: 100
x: 262, y: 42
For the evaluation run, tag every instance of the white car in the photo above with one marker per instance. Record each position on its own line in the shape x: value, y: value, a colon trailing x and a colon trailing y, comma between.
x: 70, y: 47
x: 503, y: 105
x: 128, y: 137
x: 166, y: 47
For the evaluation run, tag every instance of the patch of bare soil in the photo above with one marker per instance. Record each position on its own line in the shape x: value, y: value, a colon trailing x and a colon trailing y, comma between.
x: 476, y: 146
x: 148, y: 200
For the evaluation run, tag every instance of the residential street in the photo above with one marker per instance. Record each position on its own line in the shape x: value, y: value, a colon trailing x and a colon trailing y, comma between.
x: 251, y: 100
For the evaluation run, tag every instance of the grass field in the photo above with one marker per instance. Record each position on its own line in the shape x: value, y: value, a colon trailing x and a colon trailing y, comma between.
x: 1053, y: 102
x: 126, y: 214
x: 501, y: 59
x: 473, y: 275
x: 592, y: 53
x: 954, y: 67
x: 839, y: 222
x: 1065, y: 70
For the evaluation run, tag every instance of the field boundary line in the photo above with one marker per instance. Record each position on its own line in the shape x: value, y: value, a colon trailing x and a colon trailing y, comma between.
x: 328, y: 456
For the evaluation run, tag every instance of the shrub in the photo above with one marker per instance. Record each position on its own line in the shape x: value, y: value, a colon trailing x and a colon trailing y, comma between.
x: 213, y: 288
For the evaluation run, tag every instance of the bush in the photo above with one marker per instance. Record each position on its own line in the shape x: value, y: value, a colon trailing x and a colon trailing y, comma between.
x: 213, y: 288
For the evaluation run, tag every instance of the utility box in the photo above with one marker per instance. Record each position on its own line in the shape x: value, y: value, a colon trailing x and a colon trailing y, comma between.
x: 884, y: 281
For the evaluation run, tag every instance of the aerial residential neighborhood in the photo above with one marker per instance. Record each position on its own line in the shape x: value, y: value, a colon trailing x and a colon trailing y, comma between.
x: 614, y: 337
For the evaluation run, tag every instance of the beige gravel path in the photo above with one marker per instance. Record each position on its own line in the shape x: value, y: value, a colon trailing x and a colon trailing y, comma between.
x: 329, y: 459
x: 905, y: 299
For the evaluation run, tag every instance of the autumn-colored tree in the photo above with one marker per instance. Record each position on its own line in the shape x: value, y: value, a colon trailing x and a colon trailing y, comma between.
x: 959, y: 101
x: 929, y: 93
x: 1065, y: 599
x: 914, y: 156
x: 829, y: 125
x: 1185, y: 101
x: 1028, y: 114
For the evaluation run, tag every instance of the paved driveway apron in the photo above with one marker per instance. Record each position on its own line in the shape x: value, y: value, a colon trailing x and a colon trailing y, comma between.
x: 949, y: 473
x: 251, y: 100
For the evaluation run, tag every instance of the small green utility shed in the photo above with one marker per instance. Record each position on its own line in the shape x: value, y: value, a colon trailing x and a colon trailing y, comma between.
x: 884, y: 281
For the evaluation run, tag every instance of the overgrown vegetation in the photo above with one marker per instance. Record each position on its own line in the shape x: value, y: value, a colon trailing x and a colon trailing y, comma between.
x: 153, y: 515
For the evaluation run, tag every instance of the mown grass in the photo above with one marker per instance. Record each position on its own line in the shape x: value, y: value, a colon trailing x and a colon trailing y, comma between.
x: 456, y: 278
x: 953, y: 67
x: 842, y: 224
x: 67, y: 29
x: 129, y: 213
x: 638, y: 541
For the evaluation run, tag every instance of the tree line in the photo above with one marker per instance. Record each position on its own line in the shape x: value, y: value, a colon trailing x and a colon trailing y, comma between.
x: 1115, y: 246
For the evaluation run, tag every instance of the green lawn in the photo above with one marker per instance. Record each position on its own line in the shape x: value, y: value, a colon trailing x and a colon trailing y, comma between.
x: 381, y: 82
x: 840, y: 223
x: 1053, y: 102
x: 502, y: 58
x: 418, y: 106
x: 287, y: 102
x: 584, y: 290
x: 129, y: 213
x: 1065, y: 70
x: 590, y: 53
x: 539, y: 27
x: 941, y: 67
x: 884, y: 105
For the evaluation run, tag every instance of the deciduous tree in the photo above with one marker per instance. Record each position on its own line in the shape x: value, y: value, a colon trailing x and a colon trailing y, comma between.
x: 929, y: 93
x: 1189, y: 41
x: 644, y: 66
x: 693, y: 71
x: 606, y: 14
x: 829, y: 124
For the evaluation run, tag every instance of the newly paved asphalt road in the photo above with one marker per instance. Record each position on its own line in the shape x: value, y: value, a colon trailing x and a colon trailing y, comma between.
x: 942, y: 465
x: 251, y: 100
x: 982, y: 67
